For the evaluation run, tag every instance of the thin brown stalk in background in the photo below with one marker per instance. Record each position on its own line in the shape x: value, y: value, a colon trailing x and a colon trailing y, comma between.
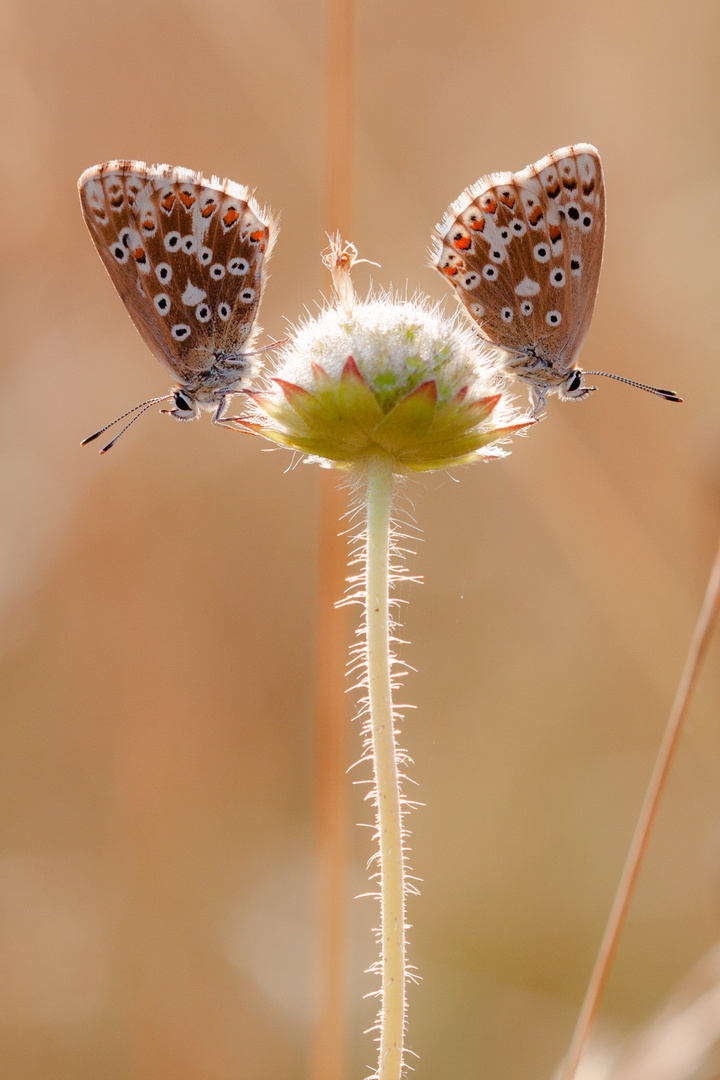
x: 608, y: 946
x: 329, y: 1058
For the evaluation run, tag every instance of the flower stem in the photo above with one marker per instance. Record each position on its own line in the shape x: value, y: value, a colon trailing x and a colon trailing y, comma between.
x: 391, y: 1019
x: 666, y: 755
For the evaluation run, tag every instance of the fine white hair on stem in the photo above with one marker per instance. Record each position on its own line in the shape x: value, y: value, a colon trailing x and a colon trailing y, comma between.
x: 377, y: 565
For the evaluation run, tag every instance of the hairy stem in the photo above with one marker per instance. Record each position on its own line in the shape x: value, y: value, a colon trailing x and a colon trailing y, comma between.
x: 387, y: 781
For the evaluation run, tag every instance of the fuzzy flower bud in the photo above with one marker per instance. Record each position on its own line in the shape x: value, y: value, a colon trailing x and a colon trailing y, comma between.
x: 383, y: 377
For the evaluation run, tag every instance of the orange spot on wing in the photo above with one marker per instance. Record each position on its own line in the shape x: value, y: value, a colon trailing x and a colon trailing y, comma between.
x: 139, y: 254
x: 489, y: 204
x: 451, y: 271
x: 230, y: 216
x: 209, y: 209
x: 555, y: 233
x: 535, y: 215
x: 477, y: 224
x: 186, y: 198
x: 168, y: 202
x: 508, y: 200
x: 256, y: 237
x: 462, y: 242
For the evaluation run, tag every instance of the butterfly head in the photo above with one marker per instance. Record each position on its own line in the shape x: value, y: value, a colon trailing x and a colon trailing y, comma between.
x: 572, y: 389
x: 186, y: 406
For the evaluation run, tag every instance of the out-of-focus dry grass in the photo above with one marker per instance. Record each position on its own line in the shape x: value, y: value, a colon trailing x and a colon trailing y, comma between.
x: 157, y: 637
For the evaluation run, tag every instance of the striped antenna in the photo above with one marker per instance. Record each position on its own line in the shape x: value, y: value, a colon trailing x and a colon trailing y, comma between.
x: 669, y: 395
x: 138, y: 410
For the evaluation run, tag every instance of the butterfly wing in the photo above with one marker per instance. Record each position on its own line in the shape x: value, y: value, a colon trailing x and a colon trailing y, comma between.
x: 524, y: 250
x: 185, y: 254
x: 208, y: 242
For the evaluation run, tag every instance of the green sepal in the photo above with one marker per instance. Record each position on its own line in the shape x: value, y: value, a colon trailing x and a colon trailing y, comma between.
x: 410, y: 420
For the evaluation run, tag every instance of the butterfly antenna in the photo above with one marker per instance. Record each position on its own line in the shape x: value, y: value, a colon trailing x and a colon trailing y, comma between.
x: 139, y: 409
x: 669, y: 395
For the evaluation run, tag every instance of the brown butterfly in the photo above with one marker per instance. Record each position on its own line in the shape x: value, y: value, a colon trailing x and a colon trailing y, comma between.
x: 523, y: 251
x: 187, y: 256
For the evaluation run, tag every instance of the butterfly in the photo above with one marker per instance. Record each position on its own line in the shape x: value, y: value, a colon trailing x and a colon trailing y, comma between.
x: 523, y: 252
x: 187, y: 256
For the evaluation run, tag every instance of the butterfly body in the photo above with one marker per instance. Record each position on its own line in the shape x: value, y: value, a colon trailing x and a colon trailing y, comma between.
x: 187, y: 257
x: 524, y: 251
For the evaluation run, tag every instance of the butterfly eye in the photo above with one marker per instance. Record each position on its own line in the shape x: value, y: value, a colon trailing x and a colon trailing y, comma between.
x: 575, y: 382
x: 182, y: 403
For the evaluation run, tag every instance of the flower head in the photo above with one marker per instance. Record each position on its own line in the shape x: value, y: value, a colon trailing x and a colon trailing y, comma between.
x: 384, y: 376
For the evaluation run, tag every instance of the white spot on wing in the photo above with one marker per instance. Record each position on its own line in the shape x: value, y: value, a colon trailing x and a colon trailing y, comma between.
x: 527, y: 287
x: 193, y: 295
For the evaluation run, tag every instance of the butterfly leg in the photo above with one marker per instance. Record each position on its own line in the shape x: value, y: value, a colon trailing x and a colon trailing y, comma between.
x: 538, y: 397
x: 218, y: 417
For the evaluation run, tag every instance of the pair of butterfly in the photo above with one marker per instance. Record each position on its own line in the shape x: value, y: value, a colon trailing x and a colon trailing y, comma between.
x: 522, y: 250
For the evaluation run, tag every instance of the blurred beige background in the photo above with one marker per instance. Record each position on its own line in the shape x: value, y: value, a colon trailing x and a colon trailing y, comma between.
x: 157, y: 763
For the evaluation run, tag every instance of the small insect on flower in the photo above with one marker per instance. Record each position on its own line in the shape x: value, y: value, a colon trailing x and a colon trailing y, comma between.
x: 383, y: 378
x: 187, y: 257
x: 523, y: 252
